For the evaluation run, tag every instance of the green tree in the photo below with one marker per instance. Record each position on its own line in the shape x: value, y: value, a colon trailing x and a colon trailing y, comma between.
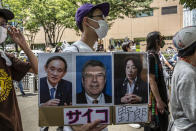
x: 191, y: 4
x: 30, y: 30
x: 57, y: 15
x: 22, y: 20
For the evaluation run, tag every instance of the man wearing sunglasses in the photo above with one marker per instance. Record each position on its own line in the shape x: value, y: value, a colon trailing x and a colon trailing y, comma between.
x: 11, y: 69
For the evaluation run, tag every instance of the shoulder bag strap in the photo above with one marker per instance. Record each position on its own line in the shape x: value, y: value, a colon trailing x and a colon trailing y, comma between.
x: 76, y: 47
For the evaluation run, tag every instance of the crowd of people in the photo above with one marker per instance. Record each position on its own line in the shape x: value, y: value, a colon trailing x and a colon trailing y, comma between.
x: 90, y: 19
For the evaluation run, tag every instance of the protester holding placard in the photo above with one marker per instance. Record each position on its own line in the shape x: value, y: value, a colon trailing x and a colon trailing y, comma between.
x: 90, y: 20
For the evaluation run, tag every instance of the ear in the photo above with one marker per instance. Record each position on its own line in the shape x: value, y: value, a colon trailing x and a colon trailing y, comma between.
x: 85, y: 20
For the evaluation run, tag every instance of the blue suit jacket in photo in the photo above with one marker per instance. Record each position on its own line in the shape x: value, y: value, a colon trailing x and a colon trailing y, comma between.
x: 63, y: 92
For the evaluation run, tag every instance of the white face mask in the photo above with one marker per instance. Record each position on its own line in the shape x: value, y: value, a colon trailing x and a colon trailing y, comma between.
x: 3, y: 34
x: 102, y: 30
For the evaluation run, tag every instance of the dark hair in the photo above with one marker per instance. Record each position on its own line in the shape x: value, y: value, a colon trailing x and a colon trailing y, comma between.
x: 56, y: 58
x: 137, y: 62
x: 188, y: 51
x: 152, y: 39
x: 93, y: 63
x: 58, y: 49
x: 125, y: 45
x: 1, y: 15
x: 89, y: 14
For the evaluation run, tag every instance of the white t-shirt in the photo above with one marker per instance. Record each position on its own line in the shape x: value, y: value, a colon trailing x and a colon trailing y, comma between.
x: 183, y: 98
x: 78, y: 46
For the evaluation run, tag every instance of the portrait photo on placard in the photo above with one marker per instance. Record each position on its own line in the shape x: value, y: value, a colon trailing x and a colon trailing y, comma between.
x: 55, y: 79
x: 93, y: 79
x: 130, y: 78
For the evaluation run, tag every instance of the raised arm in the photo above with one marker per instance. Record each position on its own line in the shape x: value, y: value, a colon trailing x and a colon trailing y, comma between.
x: 19, y: 39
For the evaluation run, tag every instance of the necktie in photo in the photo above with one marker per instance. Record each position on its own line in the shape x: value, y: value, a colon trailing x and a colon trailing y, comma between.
x: 95, y: 101
x: 52, y: 90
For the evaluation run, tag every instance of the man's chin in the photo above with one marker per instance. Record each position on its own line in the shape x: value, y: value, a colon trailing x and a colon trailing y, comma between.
x: 53, y: 82
x: 95, y: 94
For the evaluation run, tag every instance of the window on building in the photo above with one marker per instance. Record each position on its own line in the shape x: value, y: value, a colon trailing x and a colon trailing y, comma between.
x: 144, y: 13
x: 169, y: 10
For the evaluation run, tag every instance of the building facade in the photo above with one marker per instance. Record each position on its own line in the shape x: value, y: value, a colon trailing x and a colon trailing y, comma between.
x: 189, y: 17
x: 167, y: 17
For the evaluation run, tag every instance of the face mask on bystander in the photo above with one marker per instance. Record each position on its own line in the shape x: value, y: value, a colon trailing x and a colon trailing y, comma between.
x: 102, y: 30
x: 3, y: 34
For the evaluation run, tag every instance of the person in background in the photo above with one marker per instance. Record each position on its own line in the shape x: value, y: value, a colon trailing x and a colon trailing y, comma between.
x: 174, y: 59
x: 133, y: 46
x: 165, y: 62
x: 126, y: 46
x: 11, y: 68
x: 48, y: 49
x: 183, y: 98
x: 20, y: 85
x: 157, y: 83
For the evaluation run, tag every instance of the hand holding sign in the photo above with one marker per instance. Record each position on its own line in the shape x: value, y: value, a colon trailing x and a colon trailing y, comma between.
x: 52, y: 102
x: 94, y: 126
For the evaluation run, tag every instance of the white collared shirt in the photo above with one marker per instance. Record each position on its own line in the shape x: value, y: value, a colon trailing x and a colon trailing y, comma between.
x: 50, y: 87
x: 130, y: 88
x: 100, y: 98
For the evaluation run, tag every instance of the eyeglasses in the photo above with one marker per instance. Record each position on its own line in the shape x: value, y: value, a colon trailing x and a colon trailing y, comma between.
x: 98, y: 16
x: 91, y: 75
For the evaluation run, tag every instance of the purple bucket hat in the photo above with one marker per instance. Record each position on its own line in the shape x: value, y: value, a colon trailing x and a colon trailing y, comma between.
x: 86, y: 8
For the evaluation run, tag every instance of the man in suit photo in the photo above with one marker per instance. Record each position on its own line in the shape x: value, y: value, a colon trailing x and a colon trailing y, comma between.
x: 93, y: 84
x: 131, y: 89
x: 55, y: 91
